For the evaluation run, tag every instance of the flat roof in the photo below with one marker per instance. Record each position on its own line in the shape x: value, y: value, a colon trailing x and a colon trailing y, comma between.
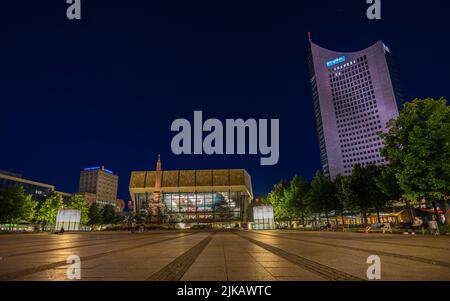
x: 204, y: 178
x: 21, y: 180
x: 10, y: 173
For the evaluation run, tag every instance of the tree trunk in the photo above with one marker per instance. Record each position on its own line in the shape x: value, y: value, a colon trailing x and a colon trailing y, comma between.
x: 378, y: 214
x: 410, y: 212
x: 343, y: 219
x: 436, y: 213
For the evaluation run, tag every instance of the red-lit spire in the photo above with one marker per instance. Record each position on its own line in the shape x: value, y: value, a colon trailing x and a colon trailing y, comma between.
x: 158, y: 176
x: 309, y: 36
x: 158, y: 163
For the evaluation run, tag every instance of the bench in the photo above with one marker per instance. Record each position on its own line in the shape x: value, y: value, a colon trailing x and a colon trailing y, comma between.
x: 383, y: 226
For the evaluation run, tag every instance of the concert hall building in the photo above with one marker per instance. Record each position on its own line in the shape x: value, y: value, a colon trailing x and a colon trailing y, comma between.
x: 218, y: 196
x: 354, y: 95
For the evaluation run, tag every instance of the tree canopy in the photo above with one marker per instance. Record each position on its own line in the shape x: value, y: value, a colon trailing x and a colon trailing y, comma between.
x: 322, y: 197
x: 48, y: 209
x: 417, y: 146
x: 95, y: 214
x: 108, y: 214
x: 77, y: 202
x: 15, y: 205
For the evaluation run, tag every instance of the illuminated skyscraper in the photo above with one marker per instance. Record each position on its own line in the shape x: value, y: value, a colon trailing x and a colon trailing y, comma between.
x: 354, y: 94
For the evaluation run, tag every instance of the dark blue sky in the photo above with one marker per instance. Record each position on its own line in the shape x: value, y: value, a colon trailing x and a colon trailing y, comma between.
x: 104, y: 90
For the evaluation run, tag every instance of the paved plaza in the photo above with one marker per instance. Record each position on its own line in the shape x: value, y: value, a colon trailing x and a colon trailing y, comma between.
x: 223, y: 255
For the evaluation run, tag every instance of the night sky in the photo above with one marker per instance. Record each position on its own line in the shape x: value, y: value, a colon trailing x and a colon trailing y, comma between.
x: 105, y: 90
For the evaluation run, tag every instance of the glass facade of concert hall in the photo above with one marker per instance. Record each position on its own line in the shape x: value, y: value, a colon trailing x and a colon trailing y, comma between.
x: 194, y: 195
x: 206, y: 205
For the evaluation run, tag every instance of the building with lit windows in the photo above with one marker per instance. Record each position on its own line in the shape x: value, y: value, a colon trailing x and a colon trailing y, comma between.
x: 217, y: 196
x: 354, y: 95
x: 99, y: 185
x: 36, y: 189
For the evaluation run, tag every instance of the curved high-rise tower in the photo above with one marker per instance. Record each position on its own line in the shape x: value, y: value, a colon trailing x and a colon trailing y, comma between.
x: 354, y: 94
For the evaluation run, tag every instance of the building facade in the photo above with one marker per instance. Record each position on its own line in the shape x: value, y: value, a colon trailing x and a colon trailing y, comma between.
x: 36, y: 189
x: 219, y: 196
x: 99, y: 185
x: 354, y: 95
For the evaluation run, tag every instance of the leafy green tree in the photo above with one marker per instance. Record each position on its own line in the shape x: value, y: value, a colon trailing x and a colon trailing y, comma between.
x: 15, y: 205
x: 276, y: 199
x: 109, y: 214
x: 353, y: 194
x: 48, y: 209
x: 295, y: 198
x: 387, y: 183
x: 77, y: 202
x: 144, y: 216
x: 322, y: 196
x: 340, y: 182
x: 95, y: 215
x: 360, y: 191
x: 375, y: 196
x: 417, y: 146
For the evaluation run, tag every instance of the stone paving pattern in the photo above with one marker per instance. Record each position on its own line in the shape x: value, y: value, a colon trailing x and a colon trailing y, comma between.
x: 224, y: 256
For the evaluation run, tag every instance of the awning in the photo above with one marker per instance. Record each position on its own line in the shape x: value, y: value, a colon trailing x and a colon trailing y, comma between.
x: 431, y: 210
x: 395, y: 214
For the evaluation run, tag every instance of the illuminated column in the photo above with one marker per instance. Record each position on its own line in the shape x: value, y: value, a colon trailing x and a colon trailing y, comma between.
x: 156, y: 203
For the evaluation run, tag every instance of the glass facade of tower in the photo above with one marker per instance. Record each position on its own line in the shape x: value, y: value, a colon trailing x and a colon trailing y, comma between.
x: 354, y: 95
x: 357, y: 115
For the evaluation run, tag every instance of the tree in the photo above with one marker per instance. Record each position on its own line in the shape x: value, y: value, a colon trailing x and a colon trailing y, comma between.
x: 374, y: 193
x: 339, y: 183
x: 322, y: 196
x: 276, y: 199
x: 48, y: 209
x: 295, y: 198
x: 94, y: 215
x: 15, y: 205
x: 108, y: 214
x: 77, y: 202
x: 354, y: 193
x: 387, y: 183
x: 361, y: 191
x: 417, y: 146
